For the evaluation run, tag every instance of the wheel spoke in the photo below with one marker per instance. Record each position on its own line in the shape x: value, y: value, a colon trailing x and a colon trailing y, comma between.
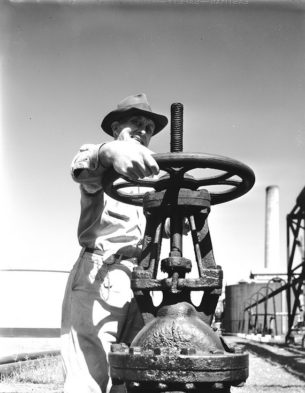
x: 217, y: 182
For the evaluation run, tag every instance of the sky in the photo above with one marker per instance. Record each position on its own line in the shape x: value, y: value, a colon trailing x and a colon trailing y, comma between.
x: 237, y: 67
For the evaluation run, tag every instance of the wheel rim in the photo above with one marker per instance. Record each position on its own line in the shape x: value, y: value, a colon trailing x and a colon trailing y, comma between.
x: 177, y: 166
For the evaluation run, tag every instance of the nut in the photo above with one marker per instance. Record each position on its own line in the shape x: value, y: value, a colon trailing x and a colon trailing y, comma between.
x: 188, y: 351
x: 135, y: 350
x: 190, y: 386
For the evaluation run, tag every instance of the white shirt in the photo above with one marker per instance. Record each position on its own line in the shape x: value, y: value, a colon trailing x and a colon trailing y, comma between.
x: 104, y: 224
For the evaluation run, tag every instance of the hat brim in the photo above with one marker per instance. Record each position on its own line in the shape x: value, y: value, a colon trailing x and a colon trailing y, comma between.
x: 118, y: 114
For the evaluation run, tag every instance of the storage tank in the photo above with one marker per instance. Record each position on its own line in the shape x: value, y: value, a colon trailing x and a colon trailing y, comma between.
x: 239, y: 296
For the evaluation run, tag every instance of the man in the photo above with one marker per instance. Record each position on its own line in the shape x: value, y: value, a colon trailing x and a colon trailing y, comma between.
x: 98, y: 307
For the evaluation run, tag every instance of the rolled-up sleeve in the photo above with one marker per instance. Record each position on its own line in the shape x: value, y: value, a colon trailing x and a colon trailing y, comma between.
x: 86, y: 168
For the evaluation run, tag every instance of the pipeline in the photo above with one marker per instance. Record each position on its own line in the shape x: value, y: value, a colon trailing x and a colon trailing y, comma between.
x: 9, y: 364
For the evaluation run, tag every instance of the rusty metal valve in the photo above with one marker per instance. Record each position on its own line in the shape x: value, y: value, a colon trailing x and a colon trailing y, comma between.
x: 177, y: 350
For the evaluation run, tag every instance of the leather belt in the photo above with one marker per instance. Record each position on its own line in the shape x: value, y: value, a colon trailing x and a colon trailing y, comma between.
x: 112, y: 258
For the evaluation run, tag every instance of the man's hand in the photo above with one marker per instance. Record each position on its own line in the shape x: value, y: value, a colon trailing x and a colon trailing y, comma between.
x: 128, y: 158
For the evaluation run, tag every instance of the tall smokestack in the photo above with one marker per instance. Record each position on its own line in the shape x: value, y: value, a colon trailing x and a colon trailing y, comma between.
x: 272, y: 229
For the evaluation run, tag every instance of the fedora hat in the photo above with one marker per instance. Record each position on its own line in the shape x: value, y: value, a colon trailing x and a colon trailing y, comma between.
x: 132, y: 106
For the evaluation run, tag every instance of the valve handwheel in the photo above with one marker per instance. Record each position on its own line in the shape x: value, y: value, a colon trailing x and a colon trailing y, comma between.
x: 238, y: 176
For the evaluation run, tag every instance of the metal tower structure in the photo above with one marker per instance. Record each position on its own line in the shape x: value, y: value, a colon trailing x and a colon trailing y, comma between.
x: 296, y: 262
x: 295, y: 284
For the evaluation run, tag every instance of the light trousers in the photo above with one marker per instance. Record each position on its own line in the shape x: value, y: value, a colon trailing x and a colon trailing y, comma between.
x: 98, y: 310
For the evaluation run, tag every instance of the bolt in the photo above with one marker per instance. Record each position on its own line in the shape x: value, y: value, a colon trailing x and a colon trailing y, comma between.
x: 135, y: 350
x: 239, y: 349
x: 162, y: 386
x: 115, y: 347
x: 121, y: 347
x: 188, y: 351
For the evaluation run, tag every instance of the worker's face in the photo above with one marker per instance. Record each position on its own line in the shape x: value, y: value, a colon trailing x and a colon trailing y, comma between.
x: 137, y: 128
